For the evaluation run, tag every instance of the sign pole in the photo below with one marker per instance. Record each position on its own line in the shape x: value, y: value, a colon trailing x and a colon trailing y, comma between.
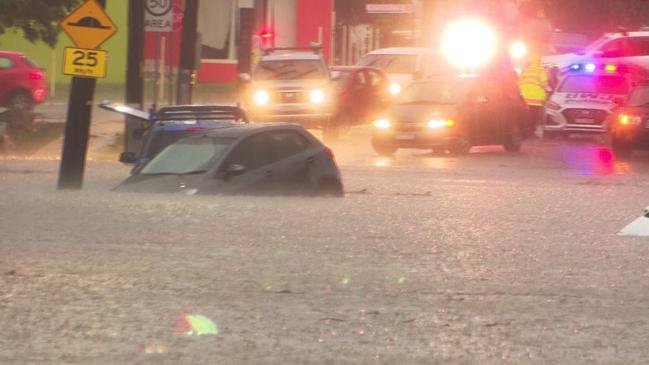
x: 80, y: 103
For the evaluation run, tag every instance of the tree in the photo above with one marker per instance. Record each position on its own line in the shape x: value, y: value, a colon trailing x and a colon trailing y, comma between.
x: 37, y: 19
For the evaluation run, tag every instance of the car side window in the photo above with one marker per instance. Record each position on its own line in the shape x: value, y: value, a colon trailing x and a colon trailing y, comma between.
x: 252, y: 152
x: 284, y: 144
x: 613, y: 48
x: 638, y: 46
x: 6, y: 63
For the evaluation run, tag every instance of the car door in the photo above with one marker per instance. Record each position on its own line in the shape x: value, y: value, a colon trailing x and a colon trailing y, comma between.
x: 377, y: 95
x: 248, y: 168
x: 7, y: 69
x: 292, y: 157
x: 357, y: 96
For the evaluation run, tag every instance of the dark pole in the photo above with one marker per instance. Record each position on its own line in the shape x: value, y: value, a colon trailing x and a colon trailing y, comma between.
x: 134, y: 63
x: 77, y: 129
x: 187, y: 53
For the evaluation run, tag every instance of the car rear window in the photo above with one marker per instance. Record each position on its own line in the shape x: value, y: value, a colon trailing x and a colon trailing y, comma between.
x: 595, y: 84
x: 639, y: 96
x: 162, y: 139
x: 31, y: 62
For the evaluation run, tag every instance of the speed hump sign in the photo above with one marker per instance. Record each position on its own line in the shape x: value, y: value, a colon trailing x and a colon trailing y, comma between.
x: 85, y: 62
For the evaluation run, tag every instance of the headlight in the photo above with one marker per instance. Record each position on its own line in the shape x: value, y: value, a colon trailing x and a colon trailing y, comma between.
x: 395, y: 88
x: 518, y: 50
x: 440, y: 123
x: 317, y: 96
x: 626, y: 119
x: 382, y: 123
x: 261, y: 97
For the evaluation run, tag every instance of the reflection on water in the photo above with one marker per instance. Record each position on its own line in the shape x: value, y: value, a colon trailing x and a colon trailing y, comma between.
x: 195, y: 325
x: 155, y: 348
x: 593, y: 161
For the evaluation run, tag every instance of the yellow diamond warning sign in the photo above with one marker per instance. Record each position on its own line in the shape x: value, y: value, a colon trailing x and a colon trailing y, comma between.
x: 88, y: 25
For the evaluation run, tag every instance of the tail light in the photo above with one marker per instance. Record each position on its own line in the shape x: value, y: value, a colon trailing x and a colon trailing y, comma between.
x: 330, y: 153
x: 35, y: 75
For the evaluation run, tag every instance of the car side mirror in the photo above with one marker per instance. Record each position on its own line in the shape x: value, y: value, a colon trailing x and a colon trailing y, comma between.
x: 234, y: 169
x: 245, y: 77
x: 127, y: 157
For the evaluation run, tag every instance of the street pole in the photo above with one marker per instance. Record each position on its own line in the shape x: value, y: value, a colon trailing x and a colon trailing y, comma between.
x: 134, y: 81
x: 188, y: 52
x: 77, y: 130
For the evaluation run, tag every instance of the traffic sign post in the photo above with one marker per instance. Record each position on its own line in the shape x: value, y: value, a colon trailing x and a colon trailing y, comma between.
x: 88, y: 26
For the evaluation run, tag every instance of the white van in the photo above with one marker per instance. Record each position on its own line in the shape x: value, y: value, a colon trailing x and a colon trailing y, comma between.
x: 401, y: 64
x: 627, y: 47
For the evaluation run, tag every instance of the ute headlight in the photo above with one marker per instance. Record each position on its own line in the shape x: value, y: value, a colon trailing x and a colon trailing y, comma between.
x: 626, y: 119
x: 261, y: 97
x: 317, y: 96
x: 382, y: 124
x: 394, y: 88
x: 440, y: 123
x: 518, y: 50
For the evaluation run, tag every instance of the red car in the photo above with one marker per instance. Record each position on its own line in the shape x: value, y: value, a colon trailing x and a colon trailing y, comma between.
x: 363, y: 92
x: 22, y: 82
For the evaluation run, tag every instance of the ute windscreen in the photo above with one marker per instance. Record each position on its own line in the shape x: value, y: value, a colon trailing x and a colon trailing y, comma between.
x: 595, y: 84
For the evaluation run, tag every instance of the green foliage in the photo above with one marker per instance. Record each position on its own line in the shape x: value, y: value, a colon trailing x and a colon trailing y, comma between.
x: 37, y: 19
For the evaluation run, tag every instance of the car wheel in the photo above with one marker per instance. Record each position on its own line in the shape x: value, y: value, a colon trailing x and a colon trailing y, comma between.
x: 384, y: 149
x: 330, y: 187
x: 622, y: 149
x: 460, y: 146
x: 21, y: 102
x: 514, y: 141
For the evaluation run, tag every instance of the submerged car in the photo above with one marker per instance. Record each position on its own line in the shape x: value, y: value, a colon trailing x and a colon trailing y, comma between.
x: 453, y: 114
x: 172, y: 123
x: 629, y: 127
x: 280, y: 159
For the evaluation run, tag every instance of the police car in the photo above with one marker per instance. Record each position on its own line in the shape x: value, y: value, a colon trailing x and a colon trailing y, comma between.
x: 585, y: 97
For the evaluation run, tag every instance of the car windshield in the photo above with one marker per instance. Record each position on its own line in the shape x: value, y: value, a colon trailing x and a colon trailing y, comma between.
x: 404, y: 64
x: 163, y: 139
x: 639, y: 96
x: 445, y: 92
x: 595, y: 84
x: 188, y: 156
x: 290, y: 70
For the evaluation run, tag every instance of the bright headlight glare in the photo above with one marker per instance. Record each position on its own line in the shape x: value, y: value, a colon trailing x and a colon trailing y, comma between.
x: 518, y: 50
x: 440, y: 123
x: 317, y: 96
x: 382, y: 123
x: 395, y: 88
x: 261, y: 97
x: 469, y: 43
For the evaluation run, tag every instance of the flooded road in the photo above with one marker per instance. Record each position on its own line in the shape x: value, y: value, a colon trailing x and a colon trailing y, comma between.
x: 490, y: 258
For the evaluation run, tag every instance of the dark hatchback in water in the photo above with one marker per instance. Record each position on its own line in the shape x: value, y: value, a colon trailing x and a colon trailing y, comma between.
x: 255, y: 159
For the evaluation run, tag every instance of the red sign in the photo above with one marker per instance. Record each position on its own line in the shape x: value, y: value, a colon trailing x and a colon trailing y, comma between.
x: 178, y: 16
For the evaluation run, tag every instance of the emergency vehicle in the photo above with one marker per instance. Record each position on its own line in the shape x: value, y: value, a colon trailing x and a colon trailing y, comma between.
x: 585, y: 97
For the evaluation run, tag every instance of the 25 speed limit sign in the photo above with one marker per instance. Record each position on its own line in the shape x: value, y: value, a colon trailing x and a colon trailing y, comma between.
x: 85, y: 62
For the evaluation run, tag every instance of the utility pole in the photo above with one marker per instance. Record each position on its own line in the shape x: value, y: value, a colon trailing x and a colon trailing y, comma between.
x: 134, y: 80
x: 188, y: 53
x: 77, y: 130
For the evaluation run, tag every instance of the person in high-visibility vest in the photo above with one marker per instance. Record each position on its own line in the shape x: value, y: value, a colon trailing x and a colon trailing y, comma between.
x: 533, y: 83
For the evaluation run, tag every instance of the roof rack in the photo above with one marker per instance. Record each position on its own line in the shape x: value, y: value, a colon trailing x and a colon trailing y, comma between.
x: 313, y: 47
x: 180, y: 112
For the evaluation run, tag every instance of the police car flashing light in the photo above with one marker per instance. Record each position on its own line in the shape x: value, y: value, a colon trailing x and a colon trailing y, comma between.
x: 591, y: 67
